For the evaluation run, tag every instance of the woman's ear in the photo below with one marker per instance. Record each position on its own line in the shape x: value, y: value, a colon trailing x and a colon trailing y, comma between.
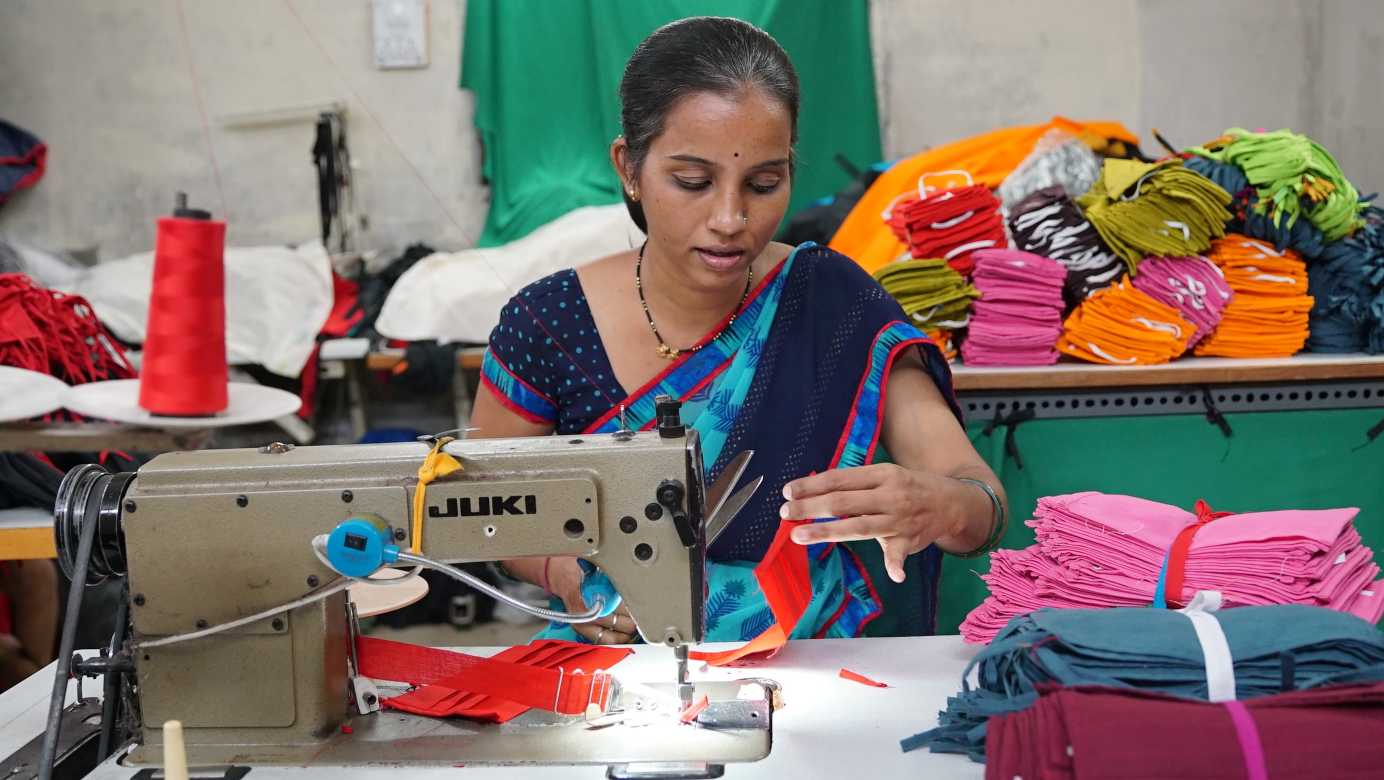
x: 624, y: 167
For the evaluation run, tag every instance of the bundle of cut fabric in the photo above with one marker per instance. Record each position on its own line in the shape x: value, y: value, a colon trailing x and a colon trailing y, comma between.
x: 1085, y: 731
x: 1098, y: 550
x: 1018, y: 318
x: 54, y: 333
x: 1272, y: 649
x: 1123, y: 326
x: 1294, y: 176
x: 988, y: 158
x: 1192, y: 285
x: 948, y: 223
x: 935, y: 296
x: 1267, y: 317
x: 1300, y: 235
x: 1059, y: 159
x: 1048, y: 223
x: 1347, y: 286
x: 1159, y: 209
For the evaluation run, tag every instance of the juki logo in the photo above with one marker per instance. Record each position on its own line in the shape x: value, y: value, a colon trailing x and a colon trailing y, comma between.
x: 485, y: 506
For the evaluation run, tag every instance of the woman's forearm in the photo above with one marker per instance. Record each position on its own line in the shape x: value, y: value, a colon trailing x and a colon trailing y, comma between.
x: 976, y: 516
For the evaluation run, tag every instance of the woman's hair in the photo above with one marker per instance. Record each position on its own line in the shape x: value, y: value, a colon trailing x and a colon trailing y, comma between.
x: 700, y: 54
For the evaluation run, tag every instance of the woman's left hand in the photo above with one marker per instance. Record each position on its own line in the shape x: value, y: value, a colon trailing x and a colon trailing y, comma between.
x: 905, y: 510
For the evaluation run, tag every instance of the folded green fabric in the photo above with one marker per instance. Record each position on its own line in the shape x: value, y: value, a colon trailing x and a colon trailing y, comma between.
x: 1155, y: 210
x: 930, y: 291
x: 1294, y: 176
x: 1154, y: 650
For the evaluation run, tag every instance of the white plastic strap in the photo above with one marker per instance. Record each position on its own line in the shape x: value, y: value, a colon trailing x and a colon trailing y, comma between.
x: 1220, y: 667
x: 923, y: 189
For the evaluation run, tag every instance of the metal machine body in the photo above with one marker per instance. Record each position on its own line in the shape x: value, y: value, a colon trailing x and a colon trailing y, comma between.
x: 212, y: 536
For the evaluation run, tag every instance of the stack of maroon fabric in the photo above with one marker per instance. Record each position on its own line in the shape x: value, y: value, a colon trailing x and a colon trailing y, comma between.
x: 1098, y: 732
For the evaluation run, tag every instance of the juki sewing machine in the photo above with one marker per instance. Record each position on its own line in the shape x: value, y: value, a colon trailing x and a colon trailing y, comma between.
x: 240, y: 626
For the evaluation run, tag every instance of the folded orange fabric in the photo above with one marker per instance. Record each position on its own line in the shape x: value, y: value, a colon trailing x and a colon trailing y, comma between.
x: 988, y: 158
x: 1122, y: 325
x: 1268, y: 315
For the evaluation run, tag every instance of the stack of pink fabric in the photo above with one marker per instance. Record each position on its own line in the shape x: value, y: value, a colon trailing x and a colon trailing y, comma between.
x: 1192, y: 285
x: 1098, y: 550
x: 1018, y: 318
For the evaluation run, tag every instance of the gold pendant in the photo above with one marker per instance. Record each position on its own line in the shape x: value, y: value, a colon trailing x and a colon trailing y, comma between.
x: 667, y: 352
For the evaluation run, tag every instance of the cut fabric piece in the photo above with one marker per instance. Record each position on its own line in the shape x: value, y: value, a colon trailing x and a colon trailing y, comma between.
x: 1048, y: 223
x: 988, y: 158
x: 847, y: 674
x: 1192, y: 285
x: 1268, y: 315
x: 1160, y: 209
x: 1123, y: 326
x: 1294, y: 176
x: 1273, y: 648
x: 1099, y: 550
x: 563, y: 677
x: 783, y: 577
x: 1084, y: 732
x: 1018, y: 318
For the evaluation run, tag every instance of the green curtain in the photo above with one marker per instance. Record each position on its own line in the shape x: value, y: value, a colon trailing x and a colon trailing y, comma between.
x: 546, y: 73
x: 1274, y: 460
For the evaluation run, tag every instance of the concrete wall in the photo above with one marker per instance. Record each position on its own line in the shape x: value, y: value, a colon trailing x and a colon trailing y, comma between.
x: 1190, y: 68
x: 108, y: 86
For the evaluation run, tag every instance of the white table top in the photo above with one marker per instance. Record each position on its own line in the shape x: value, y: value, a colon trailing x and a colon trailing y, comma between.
x: 830, y: 727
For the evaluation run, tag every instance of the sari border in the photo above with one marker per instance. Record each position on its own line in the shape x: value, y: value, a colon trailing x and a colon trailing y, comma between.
x: 493, y: 358
x: 492, y: 363
x: 882, y: 391
x: 512, y: 405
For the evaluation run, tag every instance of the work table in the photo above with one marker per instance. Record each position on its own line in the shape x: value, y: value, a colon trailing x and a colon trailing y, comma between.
x: 830, y: 727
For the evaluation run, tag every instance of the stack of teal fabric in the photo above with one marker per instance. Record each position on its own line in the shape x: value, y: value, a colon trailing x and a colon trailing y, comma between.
x: 1273, y: 649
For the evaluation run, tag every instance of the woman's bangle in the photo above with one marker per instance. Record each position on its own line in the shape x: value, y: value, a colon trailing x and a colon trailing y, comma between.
x: 544, y: 583
x: 997, y: 520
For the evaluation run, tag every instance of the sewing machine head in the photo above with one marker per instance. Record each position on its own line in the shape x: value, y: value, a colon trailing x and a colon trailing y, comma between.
x: 209, y: 537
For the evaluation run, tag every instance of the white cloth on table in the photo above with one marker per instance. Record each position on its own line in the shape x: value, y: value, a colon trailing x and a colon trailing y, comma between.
x: 458, y: 296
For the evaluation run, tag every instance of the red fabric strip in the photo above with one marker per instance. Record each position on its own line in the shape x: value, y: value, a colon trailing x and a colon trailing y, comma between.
x: 1177, y: 555
x: 562, y: 677
x: 847, y: 674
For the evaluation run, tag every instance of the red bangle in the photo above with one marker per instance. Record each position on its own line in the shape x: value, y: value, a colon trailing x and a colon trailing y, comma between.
x: 544, y: 583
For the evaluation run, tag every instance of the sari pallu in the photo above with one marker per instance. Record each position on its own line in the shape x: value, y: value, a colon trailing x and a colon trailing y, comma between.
x: 799, y: 377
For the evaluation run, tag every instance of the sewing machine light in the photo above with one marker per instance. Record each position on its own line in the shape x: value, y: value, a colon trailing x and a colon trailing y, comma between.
x: 358, y: 548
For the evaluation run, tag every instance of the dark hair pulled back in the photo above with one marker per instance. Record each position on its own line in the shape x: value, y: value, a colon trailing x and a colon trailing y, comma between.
x: 700, y: 54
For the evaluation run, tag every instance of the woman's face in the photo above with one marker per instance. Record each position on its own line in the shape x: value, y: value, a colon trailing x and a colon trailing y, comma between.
x: 715, y: 184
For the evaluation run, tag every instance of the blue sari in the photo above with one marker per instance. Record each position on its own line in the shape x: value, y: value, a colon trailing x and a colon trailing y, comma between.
x: 799, y: 377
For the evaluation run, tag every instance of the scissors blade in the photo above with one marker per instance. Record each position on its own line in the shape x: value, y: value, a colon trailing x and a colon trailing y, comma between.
x: 730, y: 509
x: 720, y: 489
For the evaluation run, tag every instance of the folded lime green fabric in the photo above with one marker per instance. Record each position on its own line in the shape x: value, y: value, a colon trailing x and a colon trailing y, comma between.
x: 1294, y: 176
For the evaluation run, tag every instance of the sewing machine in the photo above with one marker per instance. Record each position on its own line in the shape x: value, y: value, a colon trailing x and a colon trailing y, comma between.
x: 211, y: 537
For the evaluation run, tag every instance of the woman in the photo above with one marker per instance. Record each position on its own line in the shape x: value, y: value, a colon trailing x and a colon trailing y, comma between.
x: 794, y: 353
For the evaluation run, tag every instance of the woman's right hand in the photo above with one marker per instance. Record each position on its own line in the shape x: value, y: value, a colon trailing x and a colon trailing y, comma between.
x: 565, y: 579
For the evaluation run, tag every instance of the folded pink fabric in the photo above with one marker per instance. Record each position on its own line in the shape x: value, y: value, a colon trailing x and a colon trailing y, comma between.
x: 1192, y: 285
x: 1099, y: 550
x: 1018, y: 319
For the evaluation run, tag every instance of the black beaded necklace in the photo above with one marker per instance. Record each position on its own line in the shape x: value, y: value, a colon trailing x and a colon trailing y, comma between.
x: 664, y: 350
